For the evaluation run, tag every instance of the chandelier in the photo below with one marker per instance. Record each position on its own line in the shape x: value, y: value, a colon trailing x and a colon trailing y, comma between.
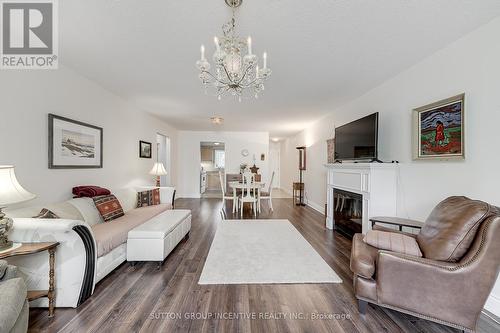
x: 234, y: 73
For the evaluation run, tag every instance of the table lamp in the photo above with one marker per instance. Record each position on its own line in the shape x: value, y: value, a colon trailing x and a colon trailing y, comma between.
x: 11, y: 192
x: 158, y: 170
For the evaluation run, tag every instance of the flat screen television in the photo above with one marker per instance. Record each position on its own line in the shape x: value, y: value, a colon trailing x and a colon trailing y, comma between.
x: 357, y: 140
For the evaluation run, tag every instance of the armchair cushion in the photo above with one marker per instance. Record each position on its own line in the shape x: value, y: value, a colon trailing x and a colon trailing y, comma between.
x: 451, y: 227
x: 363, y: 257
x: 391, y: 241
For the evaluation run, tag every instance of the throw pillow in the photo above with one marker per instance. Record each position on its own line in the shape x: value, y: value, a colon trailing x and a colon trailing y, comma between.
x: 109, y: 207
x: 394, y: 242
x: 46, y: 214
x: 148, y: 198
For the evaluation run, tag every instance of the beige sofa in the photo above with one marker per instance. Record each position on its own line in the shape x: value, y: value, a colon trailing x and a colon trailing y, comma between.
x: 89, y: 248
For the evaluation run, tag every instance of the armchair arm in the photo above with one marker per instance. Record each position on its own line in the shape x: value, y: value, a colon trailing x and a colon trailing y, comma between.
x: 432, y: 289
x: 75, y: 257
x: 7, y: 271
x: 382, y: 228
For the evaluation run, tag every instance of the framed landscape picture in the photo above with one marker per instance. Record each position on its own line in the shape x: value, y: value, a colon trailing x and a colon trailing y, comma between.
x: 144, y: 149
x: 439, y: 129
x: 73, y: 144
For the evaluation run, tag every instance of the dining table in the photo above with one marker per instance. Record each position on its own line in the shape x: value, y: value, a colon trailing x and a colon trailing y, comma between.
x: 238, y: 185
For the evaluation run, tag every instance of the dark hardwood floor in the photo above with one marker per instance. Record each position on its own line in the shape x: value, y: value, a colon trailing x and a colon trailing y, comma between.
x: 144, y: 299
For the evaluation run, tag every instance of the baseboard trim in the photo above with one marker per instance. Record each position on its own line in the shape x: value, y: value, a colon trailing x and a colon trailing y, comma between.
x: 492, y: 306
x: 488, y: 316
x: 320, y: 209
x: 189, y: 196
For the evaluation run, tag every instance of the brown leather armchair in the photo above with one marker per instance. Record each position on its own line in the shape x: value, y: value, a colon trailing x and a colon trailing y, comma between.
x: 451, y: 282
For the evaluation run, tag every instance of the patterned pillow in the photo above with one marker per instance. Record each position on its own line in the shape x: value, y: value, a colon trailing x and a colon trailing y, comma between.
x: 109, y: 207
x: 46, y: 214
x: 148, y: 198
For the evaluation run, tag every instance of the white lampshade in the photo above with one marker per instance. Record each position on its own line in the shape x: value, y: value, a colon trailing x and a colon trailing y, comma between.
x: 11, y: 192
x: 158, y: 170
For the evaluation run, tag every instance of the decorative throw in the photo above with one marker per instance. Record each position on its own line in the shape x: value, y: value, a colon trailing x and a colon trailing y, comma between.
x: 109, y: 207
x: 394, y: 242
x: 148, y: 198
x: 46, y: 214
x: 89, y: 191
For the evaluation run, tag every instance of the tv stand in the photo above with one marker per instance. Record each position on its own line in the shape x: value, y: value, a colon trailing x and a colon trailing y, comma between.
x: 376, y: 160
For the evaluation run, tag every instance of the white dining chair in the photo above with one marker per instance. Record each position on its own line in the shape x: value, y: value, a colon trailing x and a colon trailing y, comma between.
x: 248, y: 194
x: 226, y: 196
x: 268, y: 195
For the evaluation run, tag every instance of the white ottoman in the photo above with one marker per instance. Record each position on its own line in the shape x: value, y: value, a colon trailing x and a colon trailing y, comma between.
x: 156, y: 238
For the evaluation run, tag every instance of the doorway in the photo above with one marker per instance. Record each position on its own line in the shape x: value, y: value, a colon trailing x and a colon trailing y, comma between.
x: 274, y: 163
x: 164, y: 153
x: 212, y: 168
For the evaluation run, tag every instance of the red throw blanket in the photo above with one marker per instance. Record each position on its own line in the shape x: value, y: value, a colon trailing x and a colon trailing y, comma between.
x: 89, y: 191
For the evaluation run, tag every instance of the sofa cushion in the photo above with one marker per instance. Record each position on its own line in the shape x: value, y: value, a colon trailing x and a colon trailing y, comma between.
x: 451, y: 227
x: 159, y: 226
x: 127, y: 198
x: 87, y: 209
x: 12, y: 295
x: 148, y: 198
x: 112, y: 234
x: 109, y: 207
x: 65, y: 210
x: 394, y: 242
x: 363, y: 257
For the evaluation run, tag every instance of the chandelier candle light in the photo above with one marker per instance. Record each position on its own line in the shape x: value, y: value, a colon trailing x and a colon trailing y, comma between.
x: 235, y: 74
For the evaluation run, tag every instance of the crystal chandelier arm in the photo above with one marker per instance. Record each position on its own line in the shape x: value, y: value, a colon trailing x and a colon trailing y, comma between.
x: 249, y: 84
x: 227, y: 74
x: 225, y: 91
x: 213, y: 77
x: 244, y: 74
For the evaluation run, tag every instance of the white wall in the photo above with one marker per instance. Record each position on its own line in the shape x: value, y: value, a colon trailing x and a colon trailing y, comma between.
x: 275, y: 163
x: 469, y: 65
x: 189, y: 157
x: 26, y: 98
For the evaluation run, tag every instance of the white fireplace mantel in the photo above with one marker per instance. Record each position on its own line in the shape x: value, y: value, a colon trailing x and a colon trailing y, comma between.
x: 376, y: 182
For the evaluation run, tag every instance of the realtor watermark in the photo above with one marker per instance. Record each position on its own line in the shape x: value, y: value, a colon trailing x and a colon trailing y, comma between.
x: 29, y: 34
x: 248, y: 316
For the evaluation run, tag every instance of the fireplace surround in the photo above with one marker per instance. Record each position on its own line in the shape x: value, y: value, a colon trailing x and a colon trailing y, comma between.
x: 372, y: 185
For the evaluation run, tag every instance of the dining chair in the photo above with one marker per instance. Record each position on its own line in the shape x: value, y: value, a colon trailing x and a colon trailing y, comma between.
x: 226, y: 196
x: 223, y: 214
x: 268, y: 195
x: 248, y: 194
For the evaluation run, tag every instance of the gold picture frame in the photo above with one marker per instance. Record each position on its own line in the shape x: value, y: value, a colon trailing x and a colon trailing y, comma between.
x: 439, y: 130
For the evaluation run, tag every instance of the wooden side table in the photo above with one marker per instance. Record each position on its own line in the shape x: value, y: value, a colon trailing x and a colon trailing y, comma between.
x: 401, y: 222
x: 32, y: 248
x: 297, y: 187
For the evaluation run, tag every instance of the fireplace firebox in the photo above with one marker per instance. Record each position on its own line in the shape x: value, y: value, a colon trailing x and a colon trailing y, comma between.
x: 347, y: 212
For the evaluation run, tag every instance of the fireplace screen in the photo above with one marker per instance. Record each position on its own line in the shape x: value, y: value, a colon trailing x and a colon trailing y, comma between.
x: 347, y: 212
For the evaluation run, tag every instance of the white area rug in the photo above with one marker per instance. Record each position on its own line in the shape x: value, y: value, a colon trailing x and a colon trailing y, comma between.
x: 263, y: 252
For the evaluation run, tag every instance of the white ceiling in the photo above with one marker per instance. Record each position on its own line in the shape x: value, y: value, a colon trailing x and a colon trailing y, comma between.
x: 322, y: 53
